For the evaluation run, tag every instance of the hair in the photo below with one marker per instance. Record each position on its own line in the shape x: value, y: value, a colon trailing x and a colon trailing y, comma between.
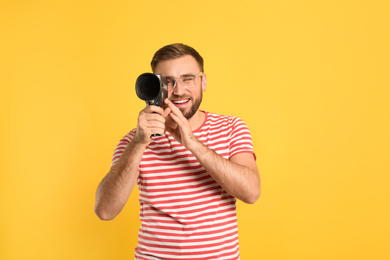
x: 174, y: 51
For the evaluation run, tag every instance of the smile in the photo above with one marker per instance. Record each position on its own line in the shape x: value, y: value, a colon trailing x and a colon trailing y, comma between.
x: 182, y: 101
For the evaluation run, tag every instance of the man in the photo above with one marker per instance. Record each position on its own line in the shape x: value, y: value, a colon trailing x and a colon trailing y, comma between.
x: 190, y: 176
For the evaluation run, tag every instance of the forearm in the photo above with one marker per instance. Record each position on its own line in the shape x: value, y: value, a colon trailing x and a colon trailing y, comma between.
x: 238, y: 180
x: 238, y: 176
x: 115, y: 189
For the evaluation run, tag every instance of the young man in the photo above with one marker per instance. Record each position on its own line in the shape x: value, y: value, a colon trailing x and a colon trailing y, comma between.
x: 190, y: 176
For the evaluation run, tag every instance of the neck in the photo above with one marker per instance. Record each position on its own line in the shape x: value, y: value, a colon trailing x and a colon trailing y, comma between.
x: 197, y: 120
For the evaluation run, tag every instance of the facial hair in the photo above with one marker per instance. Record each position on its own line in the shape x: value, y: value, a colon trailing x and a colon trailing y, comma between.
x: 195, y: 107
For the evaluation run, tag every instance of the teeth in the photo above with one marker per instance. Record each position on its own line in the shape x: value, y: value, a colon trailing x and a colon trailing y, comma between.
x: 180, y: 101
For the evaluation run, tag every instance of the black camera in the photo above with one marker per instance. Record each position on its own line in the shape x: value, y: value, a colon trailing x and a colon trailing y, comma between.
x: 149, y: 88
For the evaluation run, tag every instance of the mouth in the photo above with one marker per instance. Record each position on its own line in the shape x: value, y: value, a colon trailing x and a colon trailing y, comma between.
x: 180, y: 102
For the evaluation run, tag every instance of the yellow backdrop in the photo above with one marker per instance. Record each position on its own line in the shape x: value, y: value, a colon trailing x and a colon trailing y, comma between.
x: 310, y: 78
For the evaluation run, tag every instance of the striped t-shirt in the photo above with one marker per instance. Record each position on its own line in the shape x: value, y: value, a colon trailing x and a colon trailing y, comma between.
x: 184, y: 213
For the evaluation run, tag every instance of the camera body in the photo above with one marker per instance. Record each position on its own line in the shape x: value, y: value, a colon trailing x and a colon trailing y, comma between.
x: 149, y: 88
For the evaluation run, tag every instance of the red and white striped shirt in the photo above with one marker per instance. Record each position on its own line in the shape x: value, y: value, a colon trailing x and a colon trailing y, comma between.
x: 184, y: 213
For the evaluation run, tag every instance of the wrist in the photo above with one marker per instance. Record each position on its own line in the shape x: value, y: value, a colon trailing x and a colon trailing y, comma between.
x: 197, y: 147
x: 141, y: 144
x: 141, y: 139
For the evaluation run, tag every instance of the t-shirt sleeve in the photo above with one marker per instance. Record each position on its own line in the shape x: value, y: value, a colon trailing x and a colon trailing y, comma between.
x: 122, y: 146
x: 240, y: 138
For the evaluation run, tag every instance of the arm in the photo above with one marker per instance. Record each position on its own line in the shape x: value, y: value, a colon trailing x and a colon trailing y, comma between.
x: 238, y: 176
x: 116, y: 187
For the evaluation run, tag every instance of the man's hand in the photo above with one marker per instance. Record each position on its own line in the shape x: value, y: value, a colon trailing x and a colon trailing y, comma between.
x: 151, y: 120
x: 179, y: 127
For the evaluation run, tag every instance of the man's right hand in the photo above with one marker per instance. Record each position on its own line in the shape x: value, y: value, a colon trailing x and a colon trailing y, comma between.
x: 151, y: 120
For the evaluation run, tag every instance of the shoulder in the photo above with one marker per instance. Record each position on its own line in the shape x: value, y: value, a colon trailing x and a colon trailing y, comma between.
x: 128, y: 137
x: 214, y: 118
x: 121, y: 146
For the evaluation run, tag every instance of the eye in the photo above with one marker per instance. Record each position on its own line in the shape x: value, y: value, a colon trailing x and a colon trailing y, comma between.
x: 168, y: 81
x: 188, y: 78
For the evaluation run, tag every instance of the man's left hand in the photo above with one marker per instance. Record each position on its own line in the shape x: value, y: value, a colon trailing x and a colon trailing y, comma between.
x: 179, y: 127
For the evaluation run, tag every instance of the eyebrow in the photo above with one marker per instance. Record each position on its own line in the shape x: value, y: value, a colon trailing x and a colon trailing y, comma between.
x: 183, y: 75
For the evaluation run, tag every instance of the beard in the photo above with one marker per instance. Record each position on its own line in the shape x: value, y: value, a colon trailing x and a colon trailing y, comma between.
x: 194, y: 108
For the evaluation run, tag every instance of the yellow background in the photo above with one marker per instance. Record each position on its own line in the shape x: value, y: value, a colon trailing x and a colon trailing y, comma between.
x: 310, y: 78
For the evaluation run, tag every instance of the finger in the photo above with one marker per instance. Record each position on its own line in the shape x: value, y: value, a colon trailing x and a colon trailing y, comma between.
x: 151, y: 124
x: 175, y: 110
x: 180, y: 122
x: 167, y: 111
x: 171, y: 105
x: 170, y: 122
x: 175, y: 118
x: 154, y: 117
x: 152, y: 120
x: 153, y: 109
x: 145, y: 117
x: 153, y: 128
x: 158, y: 131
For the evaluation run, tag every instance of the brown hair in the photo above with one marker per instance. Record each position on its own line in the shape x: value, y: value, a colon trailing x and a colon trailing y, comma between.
x: 174, y: 51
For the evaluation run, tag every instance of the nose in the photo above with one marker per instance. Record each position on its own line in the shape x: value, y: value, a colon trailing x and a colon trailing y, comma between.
x: 179, y: 88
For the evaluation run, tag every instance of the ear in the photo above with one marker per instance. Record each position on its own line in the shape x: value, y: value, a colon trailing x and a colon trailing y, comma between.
x: 204, y: 82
